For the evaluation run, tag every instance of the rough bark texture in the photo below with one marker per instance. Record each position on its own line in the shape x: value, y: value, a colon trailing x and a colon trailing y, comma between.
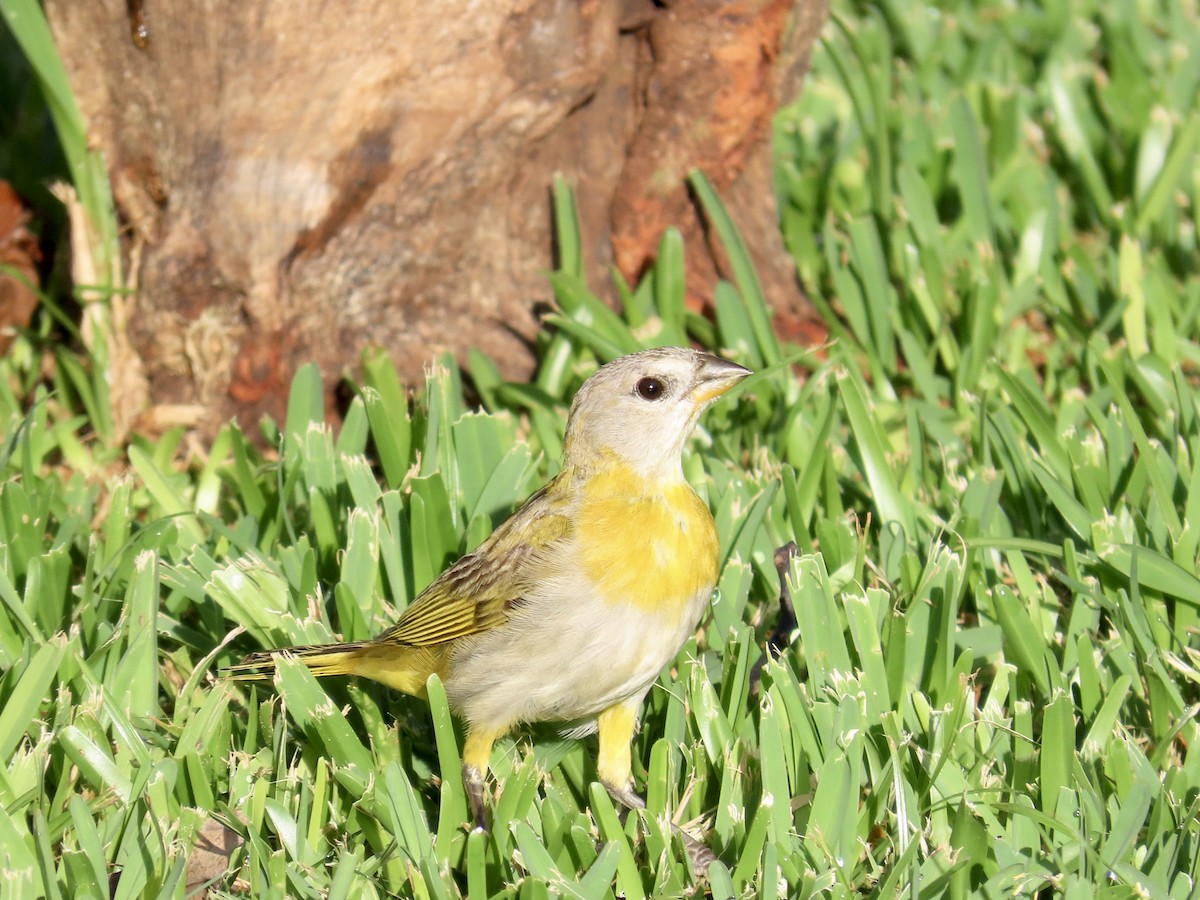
x: 19, y: 257
x: 304, y: 179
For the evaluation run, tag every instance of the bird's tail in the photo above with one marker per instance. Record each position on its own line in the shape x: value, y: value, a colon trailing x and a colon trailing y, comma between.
x: 400, y: 667
x: 322, y: 659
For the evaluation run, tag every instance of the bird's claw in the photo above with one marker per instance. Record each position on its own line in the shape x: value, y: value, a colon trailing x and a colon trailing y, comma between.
x: 698, y: 852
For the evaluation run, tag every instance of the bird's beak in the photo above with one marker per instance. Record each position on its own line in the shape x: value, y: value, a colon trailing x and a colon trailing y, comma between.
x: 716, y: 376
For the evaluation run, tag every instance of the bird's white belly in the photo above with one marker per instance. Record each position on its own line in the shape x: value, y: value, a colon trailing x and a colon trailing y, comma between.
x: 552, y: 663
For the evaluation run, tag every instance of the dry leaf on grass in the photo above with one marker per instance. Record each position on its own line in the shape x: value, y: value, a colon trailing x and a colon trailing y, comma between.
x: 208, y: 862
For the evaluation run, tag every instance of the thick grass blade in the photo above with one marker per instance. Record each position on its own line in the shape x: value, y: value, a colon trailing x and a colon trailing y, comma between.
x: 1058, y: 751
x: 628, y: 880
x: 670, y: 292
x: 453, y: 807
x: 743, y: 268
x: 970, y: 161
x: 566, y: 229
x: 870, y: 264
x: 136, y: 683
x: 20, y: 711
x: 386, y: 402
x: 1023, y: 643
x: 314, y: 712
x: 877, y: 467
x: 166, y: 495
x: 1155, y: 200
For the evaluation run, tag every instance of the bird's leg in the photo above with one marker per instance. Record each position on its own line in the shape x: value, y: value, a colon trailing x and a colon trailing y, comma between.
x: 615, y: 727
x: 473, y: 782
x: 613, y: 764
x: 477, y: 754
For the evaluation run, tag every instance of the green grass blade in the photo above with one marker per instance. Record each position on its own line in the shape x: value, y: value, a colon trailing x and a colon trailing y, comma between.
x: 743, y: 269
x: 877, y: 467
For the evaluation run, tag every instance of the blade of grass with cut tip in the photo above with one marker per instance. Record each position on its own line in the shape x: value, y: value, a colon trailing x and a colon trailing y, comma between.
x: 1146, y: 451
x: 818, y: 620
x: 628, y: 880
x: 306, y: 401
x: 1153, y: 571
x: 95, y: 762
x: 314, y: 711
x: 386, y: 401
x: 1022, y: 641
x: 1058, y: 750
x: 877, y: 468
x: 136, y: 684
x: 1037, y: 419
x: 408, y: 821
x: 453, y: 802
x: 21, y: 706
x: 864, y: 630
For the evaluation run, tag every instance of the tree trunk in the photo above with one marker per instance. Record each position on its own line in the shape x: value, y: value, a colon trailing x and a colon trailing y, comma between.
x: 300, y: 180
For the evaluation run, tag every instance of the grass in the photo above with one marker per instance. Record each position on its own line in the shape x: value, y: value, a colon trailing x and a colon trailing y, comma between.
x: 993, y: 684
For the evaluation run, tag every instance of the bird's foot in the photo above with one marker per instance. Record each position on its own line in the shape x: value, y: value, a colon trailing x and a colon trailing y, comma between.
x: 698, y: 852
x: 625, y: 795
x: 473, y: 782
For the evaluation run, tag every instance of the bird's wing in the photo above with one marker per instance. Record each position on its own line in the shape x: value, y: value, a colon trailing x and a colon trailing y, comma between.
x: 480, y: 591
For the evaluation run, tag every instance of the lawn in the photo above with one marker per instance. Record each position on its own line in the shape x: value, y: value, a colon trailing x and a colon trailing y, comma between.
x: 993, y: 683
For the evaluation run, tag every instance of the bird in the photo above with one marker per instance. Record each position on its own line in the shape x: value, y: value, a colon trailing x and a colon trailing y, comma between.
x: 572, y: 607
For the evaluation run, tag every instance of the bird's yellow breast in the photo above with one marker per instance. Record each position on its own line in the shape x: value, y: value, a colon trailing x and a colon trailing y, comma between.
x: 654, y: 547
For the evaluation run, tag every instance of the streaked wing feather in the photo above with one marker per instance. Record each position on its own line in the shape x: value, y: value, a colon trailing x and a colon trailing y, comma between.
x: 478, y: 592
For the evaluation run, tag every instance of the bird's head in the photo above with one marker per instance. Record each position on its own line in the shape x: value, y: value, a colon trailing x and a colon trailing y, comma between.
x: 641, y: 409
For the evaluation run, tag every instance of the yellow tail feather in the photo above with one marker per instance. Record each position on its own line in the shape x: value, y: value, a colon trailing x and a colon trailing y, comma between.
x: 399, y: 667
x: 323, y: 659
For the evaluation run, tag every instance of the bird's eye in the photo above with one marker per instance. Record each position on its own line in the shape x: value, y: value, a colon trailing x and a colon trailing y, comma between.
x: 650, y: 389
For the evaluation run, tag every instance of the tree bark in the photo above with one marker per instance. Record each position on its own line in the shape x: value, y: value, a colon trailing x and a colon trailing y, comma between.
x: 300, y: 180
